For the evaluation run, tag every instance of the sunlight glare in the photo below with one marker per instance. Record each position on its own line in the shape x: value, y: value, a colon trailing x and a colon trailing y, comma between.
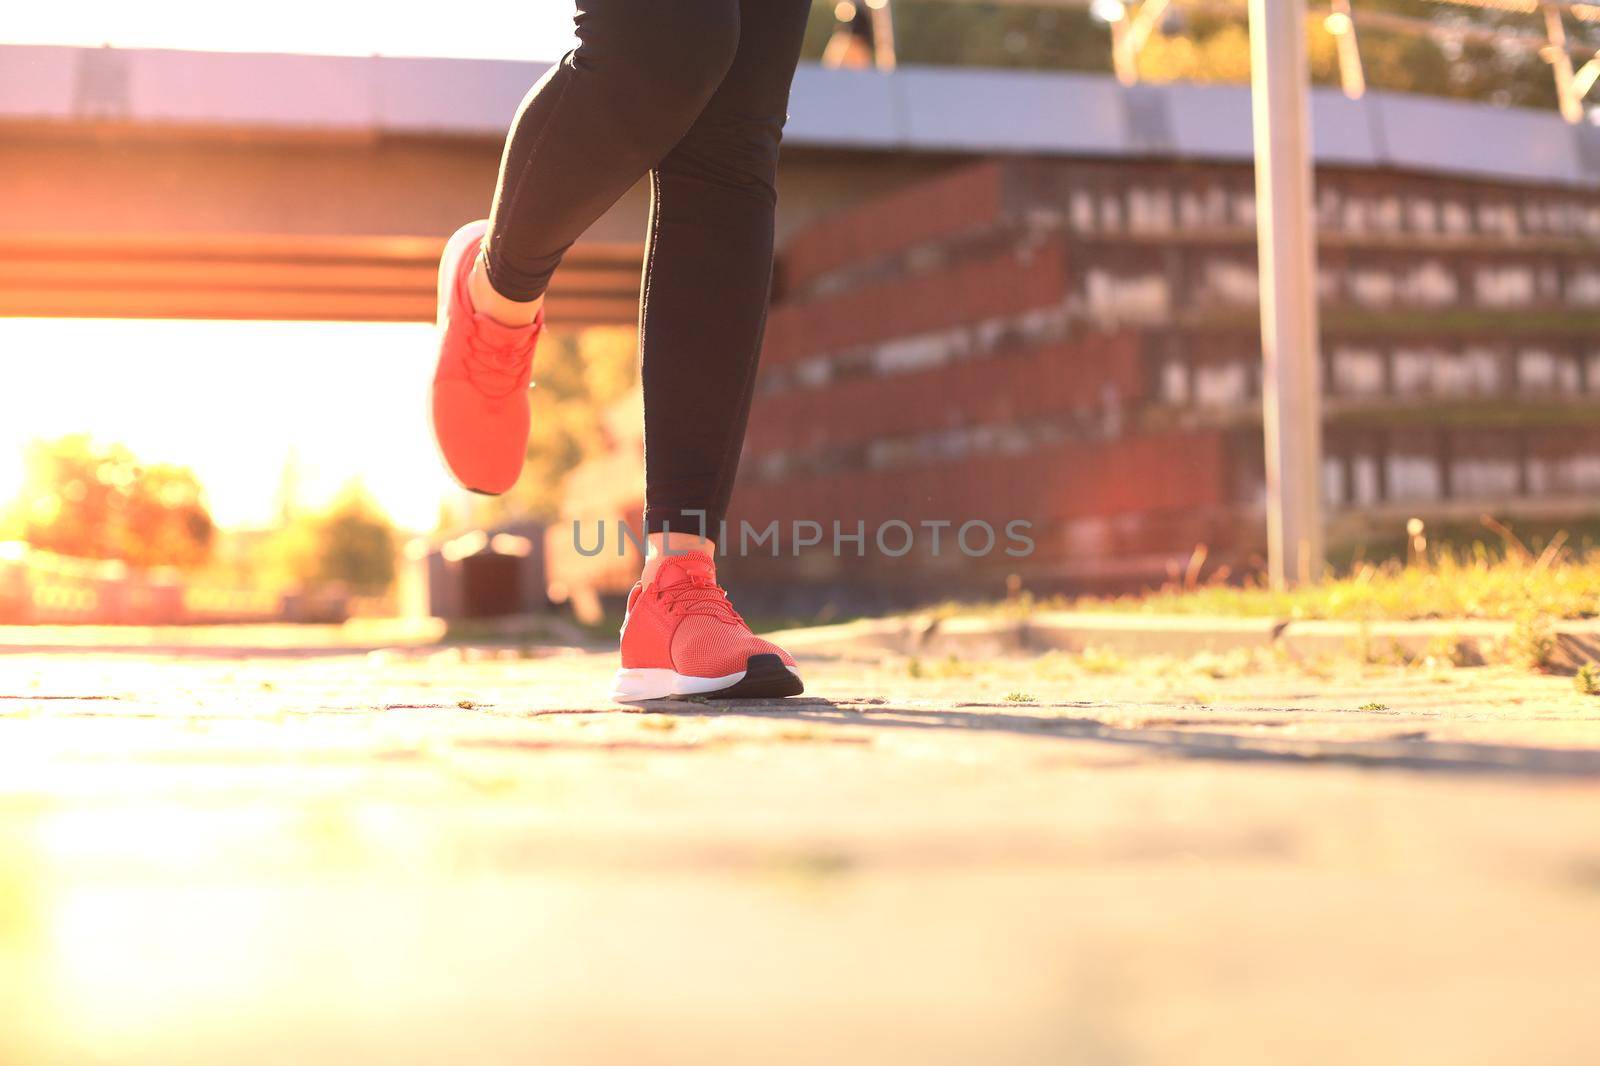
x: 478, y: 29
x: 249, y: 406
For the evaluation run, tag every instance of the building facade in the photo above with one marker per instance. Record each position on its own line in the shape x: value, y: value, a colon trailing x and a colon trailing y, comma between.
x: 1074, y: 344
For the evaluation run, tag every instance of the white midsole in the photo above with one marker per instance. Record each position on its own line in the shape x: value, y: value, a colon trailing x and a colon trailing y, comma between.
x: 448, y: 260
x: 655, y: 683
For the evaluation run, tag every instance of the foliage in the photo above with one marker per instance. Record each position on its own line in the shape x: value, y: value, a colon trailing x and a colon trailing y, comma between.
x: 1587, y: 679
x: 1512, y: 583
x: 1195, y: 44
x: 1205, y: 50
x: 99, y: 502
x: 1097, y: 660
x: 579, y: 376
x: 1195, y: 47
x: 951, y: 666
x: 1532, y: 643
x: 350, y: 544
x: 939, y: 33
x: 356, y: 545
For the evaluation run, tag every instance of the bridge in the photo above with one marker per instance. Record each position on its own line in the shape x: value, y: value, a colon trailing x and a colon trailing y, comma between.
x: 152, y: 183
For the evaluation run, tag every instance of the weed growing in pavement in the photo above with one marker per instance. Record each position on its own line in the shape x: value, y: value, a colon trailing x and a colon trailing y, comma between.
x: 1587, y: 679
x: 952, y: 666
x: 1373, y: 706
x: 1213, y: 665
x: 1450, y: 649
x: 1018, y: 697
x: 1096, y: 660
x: 1055, y: 664
x: 1318, y: 667
x: 1239, y: 662
x: 1532, y: 643
x: 949, y: 667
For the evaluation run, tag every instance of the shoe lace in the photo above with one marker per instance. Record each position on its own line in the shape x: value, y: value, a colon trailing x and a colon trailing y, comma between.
x: 698, y: 594
x: 497, y: 369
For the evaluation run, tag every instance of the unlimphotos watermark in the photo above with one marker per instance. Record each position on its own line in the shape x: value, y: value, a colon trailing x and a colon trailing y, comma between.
x: 893, y: 539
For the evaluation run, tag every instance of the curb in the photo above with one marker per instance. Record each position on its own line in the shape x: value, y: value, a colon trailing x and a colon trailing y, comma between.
x: 1473, y: 641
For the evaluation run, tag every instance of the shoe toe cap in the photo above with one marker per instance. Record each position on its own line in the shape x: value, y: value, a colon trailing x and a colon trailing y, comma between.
x: 709, y: 647
x: 484, y: 443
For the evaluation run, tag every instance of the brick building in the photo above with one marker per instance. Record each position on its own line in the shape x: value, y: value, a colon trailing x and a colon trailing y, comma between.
x: 1063, y: 331
x: 1074, y: 343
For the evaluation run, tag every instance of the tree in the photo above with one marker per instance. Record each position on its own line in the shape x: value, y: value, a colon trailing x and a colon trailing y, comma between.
x: 579, y: 376
x: 942, y: 33
x: 1195, y: 44
x: 355, y: 544
x: 99, y: 502
x: 350, y: 545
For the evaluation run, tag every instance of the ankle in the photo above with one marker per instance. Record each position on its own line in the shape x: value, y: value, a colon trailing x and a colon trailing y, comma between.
x: 661, y: 547
x: 487, y: 301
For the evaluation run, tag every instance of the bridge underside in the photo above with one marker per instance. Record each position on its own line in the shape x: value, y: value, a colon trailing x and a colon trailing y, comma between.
x: 112, y: 221
x: 272, y: 276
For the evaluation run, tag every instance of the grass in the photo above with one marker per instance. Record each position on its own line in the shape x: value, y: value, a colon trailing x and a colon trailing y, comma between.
x: 1096, y: 660
x: 1505, y: 582
x: 948, y: 667
x: 1488, y: 582
x: 1511, y: 584
x: 1532, y: 643
x: 1587, y: 679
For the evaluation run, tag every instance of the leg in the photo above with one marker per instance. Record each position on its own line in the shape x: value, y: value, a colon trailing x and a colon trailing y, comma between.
x: 708, y: 276
x: 596, y: 123
x: 642, y: 72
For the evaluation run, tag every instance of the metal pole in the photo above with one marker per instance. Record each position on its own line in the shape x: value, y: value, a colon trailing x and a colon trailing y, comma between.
x: 1286, y: 238
x: 1585, y: 78
x: 1131, y: 33
x: 1125, y: 65
x: 1341, y: 23
x: 1571, y: 102
x: 883, y: 34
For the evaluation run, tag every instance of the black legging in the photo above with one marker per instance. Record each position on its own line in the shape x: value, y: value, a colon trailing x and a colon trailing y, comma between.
x: 694, y: 92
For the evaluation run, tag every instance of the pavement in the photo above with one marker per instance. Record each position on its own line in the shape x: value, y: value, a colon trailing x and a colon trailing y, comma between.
x: 270, y: 853
x: 1011, y: 629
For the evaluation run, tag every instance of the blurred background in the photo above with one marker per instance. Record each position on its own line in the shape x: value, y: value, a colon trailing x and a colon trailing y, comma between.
x: 1018, y: 282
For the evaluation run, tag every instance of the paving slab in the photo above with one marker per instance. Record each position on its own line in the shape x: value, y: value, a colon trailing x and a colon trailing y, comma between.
x: 436, y: 855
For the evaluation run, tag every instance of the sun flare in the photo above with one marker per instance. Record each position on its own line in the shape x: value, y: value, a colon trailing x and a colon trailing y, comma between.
x: 248, y: 406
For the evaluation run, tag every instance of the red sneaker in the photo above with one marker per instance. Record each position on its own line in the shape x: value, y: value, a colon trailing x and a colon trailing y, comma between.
x: 683, y: 638
x: 479, y: 402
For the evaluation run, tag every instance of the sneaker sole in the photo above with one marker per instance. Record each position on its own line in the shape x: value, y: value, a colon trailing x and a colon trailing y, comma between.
x: 764, y: 677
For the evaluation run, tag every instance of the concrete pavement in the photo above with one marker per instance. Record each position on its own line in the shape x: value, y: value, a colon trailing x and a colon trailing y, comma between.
x: 436, y: 855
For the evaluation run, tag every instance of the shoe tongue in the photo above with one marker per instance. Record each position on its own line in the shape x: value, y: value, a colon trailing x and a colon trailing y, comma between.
x: 680, y: 569
x: 499, y: 334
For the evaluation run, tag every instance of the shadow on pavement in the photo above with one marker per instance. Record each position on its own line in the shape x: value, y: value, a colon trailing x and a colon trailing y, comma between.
x: 1408, y: 752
